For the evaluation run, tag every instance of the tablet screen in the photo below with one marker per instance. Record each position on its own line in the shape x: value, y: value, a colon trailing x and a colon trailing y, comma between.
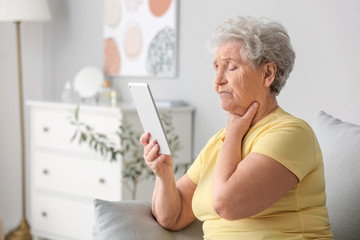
x: 148, y: 114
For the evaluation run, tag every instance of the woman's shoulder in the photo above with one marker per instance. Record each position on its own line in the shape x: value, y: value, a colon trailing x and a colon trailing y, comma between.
x: 285, y: 119
x: 220, y: 135
x: 281, y: 122
x: 284, y: 125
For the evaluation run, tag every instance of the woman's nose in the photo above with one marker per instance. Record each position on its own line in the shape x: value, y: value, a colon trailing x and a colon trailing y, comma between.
x: 220, y: 78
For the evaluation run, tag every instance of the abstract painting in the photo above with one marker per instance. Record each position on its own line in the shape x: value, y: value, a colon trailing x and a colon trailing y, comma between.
x: 140, y: 38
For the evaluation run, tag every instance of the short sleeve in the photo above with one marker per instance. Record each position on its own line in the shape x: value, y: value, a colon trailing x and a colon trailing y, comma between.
x: 210, y: 150
x: 291, y: 144
x: 194, y: 171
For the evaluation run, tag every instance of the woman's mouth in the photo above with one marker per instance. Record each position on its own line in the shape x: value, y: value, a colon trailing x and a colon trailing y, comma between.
x: 224, y: 93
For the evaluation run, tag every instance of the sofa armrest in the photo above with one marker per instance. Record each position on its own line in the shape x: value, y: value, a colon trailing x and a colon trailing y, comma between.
x: 132, y: 220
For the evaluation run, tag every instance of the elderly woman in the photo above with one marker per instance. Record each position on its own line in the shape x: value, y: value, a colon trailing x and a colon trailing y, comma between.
x: 262, y: 176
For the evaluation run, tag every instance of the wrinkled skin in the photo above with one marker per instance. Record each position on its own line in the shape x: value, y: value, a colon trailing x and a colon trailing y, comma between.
x: 239, y: 85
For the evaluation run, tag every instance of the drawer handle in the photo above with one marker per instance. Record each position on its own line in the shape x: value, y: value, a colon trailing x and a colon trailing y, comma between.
x: 102, y: 180
x: 45, y: 171
x: 44, y: 214
x: 45, y: 129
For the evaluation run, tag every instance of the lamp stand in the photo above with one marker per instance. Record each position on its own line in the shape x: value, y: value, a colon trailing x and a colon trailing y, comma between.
x: 22, y: 232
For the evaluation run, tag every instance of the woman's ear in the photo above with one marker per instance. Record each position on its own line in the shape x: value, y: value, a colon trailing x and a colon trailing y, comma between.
x: 270, y: 69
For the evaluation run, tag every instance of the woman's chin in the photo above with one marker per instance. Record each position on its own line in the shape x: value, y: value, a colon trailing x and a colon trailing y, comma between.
x: 226, y: 107
x: 237, y: 110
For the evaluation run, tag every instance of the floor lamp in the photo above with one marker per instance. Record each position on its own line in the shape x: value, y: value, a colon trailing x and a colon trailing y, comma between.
x: 19, y: 11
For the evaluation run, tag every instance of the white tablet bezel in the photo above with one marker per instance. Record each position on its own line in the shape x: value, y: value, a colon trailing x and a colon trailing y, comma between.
x: 148, y: 115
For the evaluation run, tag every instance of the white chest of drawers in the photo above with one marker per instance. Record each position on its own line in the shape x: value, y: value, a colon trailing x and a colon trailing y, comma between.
x: 66, y: 177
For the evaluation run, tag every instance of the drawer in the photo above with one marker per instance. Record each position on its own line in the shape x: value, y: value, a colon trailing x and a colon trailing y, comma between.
x: 77, y: 176
x: 61, y: 218
x: 53, y: 128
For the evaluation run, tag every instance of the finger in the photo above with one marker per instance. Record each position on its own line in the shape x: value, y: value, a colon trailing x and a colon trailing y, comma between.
x: 144, y: 139
x: 250, y: 113
x: 148, y: 147
x: 160, y: 160
x: 153, y: 153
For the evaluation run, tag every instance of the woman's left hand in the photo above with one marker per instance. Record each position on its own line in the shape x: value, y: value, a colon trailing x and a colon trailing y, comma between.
x: 239, y: 125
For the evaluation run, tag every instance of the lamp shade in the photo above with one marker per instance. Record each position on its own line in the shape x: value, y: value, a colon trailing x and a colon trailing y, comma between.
x: 24, y: 11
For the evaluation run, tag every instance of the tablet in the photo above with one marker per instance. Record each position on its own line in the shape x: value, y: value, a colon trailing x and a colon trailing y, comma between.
x: 148, y: 114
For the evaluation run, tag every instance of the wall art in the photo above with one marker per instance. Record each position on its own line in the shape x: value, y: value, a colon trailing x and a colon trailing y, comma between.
x: 140, y: 38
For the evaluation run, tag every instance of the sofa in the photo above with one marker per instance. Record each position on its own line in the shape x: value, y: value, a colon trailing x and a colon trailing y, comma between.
x: 340, y: 144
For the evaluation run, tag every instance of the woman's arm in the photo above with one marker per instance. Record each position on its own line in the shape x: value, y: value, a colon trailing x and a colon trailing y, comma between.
x: 244, y: 188
x: 171, y: 203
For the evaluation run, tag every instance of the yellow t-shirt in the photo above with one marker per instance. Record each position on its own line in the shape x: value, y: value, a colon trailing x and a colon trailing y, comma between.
x: 300, y: 214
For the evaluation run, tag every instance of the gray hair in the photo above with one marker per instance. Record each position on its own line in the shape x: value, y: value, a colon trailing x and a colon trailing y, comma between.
x: 262, y: 41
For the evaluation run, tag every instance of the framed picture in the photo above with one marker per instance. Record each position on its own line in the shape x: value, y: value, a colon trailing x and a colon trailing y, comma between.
x: 140, y: 38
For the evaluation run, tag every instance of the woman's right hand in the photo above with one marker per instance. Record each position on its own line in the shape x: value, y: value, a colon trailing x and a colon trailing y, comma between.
x: 160, y: 164
x: 171, y: 204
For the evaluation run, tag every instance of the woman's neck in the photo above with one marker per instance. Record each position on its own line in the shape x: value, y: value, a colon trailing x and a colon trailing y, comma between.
x: 266, y: 107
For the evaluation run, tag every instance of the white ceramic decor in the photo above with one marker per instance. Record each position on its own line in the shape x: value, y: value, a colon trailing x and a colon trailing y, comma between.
x: 88, y: 81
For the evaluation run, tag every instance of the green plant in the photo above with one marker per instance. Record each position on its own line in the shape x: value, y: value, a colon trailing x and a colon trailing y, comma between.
x: 129, y: 151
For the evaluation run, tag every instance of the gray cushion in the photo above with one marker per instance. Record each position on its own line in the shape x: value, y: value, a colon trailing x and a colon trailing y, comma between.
x: 340, y: 144
x: 134, y: 220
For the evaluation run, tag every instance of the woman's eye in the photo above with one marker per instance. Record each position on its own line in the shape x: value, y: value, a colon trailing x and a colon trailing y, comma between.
x: 232, y: 68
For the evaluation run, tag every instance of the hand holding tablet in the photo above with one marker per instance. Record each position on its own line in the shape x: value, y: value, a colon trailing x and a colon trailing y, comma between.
x: 148, y: 114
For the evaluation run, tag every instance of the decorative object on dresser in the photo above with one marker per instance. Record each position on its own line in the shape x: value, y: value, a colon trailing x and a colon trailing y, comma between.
x: 23, y: 11
x: 65, y: 177
x: 87, y: 83
x: 129, y: 151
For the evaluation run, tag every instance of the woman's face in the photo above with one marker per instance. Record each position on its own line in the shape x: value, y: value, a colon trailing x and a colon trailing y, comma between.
x: 236, y: 82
